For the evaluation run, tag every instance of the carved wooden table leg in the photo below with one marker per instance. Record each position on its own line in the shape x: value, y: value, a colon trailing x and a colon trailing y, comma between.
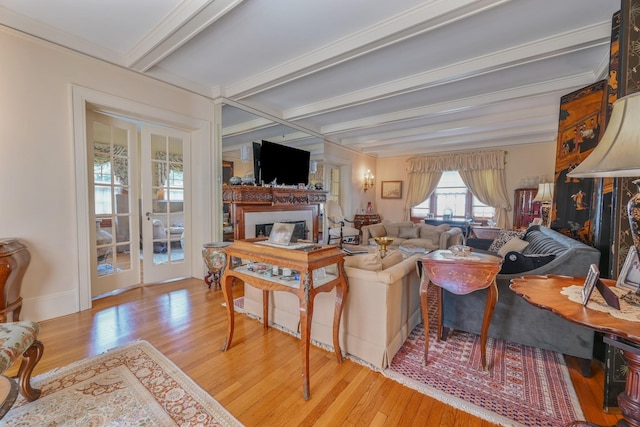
x: 227, y: 291
x: 492, y: 297
x: 306, y: 314
x: 424, y: 288
x: 265, y: 309
x: 341, y: 290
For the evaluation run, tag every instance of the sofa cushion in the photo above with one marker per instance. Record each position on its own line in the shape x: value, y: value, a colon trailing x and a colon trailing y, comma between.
x: 514, y: 244
x: 377, y: 230
x: 393, y: 228
x: 433, y: 232
x: 421, y: 243
x: 371, y: 261
x: 515, y: 262
x: 503, y: 237
x: 392, y: 258
x: 410, y: 232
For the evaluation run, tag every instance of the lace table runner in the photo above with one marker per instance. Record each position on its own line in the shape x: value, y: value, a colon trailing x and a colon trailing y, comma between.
x: 629, y: 303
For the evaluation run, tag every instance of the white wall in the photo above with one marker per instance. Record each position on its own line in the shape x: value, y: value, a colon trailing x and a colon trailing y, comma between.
x: 37, y: 168
x: 522, y: 161
x: 358, y: 164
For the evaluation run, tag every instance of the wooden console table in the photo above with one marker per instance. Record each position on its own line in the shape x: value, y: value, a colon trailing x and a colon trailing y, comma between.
x: 460, y: 275
x: 360, y: 220
x: 304, y: 260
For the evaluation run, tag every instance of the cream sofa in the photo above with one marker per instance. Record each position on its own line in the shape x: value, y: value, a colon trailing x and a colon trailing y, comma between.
x: 381, y: 309
x: 426, y: 236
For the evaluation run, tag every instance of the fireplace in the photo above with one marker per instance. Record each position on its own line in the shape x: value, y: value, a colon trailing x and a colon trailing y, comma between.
x: 300, y: 230
x: 249, y: 206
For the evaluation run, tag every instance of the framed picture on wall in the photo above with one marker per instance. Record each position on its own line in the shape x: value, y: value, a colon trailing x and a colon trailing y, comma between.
x: 391, y: 190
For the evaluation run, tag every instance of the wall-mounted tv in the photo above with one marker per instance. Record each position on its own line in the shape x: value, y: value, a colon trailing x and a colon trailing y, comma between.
x: 286, y: 165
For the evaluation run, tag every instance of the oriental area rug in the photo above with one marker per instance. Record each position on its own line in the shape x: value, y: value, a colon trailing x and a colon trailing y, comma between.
x: 524, y: 386
x: 131, y: 385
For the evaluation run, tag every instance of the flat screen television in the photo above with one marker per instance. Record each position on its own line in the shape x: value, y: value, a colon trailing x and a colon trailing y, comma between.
x: 286, y: 165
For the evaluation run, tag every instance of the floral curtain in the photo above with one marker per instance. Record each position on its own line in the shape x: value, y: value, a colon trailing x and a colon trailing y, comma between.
x: 120, y: 165
x: 164, y: 165
x: 482, y: 171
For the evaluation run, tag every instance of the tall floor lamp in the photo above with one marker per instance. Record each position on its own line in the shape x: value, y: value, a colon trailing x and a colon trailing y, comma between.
x: 616, y: 155
x: 545, y: 195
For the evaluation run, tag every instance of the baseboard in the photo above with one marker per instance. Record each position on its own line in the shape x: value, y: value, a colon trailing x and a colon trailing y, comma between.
x: 50, y: 306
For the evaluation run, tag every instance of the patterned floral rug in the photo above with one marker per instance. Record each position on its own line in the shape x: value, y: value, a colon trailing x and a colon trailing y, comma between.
x: 525, y: 386
x: 131, y: 385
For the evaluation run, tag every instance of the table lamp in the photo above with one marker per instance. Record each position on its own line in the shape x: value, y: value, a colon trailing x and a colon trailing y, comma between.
x: 545, y: 195
x: 616, y: 155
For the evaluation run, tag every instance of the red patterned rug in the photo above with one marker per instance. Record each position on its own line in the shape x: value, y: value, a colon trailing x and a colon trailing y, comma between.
x: 525, y: 386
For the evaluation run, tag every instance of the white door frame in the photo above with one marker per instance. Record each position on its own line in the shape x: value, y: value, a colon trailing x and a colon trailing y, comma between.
x: 208, y: 221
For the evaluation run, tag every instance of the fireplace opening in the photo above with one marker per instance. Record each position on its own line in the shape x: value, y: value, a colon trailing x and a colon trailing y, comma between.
x: 299, y: 231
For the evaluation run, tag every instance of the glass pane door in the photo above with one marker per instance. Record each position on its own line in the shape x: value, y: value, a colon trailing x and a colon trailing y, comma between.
x: 165, y: 203
x: 115, y: 242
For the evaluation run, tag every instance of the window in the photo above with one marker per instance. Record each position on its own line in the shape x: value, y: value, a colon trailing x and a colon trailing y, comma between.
x: 452, y: 197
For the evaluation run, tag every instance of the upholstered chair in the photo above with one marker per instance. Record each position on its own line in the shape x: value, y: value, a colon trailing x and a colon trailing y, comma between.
x: 20, y: 339
x: 338, y: 230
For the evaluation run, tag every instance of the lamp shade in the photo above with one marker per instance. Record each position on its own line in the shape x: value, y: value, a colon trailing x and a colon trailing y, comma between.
x: 616, y: 155
x: 545, y: 192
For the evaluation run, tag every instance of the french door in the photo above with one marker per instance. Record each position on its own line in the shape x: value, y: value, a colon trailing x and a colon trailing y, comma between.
x: 112, y: 148
x: 165, y: 203
x: 140, y: 207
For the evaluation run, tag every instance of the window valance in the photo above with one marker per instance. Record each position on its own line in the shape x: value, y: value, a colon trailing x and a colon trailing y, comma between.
x: 474, y: 160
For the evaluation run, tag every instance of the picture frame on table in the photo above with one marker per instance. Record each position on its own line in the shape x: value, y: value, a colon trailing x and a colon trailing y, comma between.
x: 629, y: 277
x: 590, y: 283
x: 391, y: 190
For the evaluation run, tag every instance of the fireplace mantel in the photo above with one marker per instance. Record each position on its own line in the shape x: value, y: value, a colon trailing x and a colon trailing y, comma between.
x: 277, y: 201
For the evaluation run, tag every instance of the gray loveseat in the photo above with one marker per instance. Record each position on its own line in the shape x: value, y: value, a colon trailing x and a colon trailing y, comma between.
x: 516, y: 320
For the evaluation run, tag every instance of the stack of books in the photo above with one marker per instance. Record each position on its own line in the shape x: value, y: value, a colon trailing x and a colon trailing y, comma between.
x: 410, y: 249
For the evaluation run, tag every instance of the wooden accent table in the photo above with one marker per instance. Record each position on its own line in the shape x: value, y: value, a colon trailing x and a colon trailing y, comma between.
x: 460, y: 275
x: 304, y: 260
x: 544, y: 292
x: 360, y: 220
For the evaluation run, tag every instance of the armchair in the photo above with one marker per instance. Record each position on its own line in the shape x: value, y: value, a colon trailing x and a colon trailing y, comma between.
x: 337, y: 228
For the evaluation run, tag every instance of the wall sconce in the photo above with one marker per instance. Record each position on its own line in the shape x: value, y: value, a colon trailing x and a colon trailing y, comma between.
x: 545, y: 195
x: 313, y: 166
x: 368, y: 180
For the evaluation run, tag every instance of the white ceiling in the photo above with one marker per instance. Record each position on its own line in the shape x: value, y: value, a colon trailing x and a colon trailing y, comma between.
x: 381, y: 77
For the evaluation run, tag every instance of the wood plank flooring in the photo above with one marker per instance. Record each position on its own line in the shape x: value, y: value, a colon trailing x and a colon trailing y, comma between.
x: 258, y: 380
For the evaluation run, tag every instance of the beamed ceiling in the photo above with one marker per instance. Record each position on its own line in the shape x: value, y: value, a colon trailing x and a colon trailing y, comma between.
x: 385, y: 78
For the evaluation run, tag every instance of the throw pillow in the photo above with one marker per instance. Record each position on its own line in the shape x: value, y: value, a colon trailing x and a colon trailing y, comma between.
x: 515, y: 262
x: 371, y: 261
x: 377, y: 230
x: 513, y: 245
x: 409, y: 232
x: 392, y: 258
x: 503, y: 237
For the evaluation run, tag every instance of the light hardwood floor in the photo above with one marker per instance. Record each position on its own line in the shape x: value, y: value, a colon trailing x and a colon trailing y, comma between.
x: 258, y: 380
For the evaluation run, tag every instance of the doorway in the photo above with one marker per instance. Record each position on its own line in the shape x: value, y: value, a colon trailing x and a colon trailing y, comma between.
x: 130, y: 248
